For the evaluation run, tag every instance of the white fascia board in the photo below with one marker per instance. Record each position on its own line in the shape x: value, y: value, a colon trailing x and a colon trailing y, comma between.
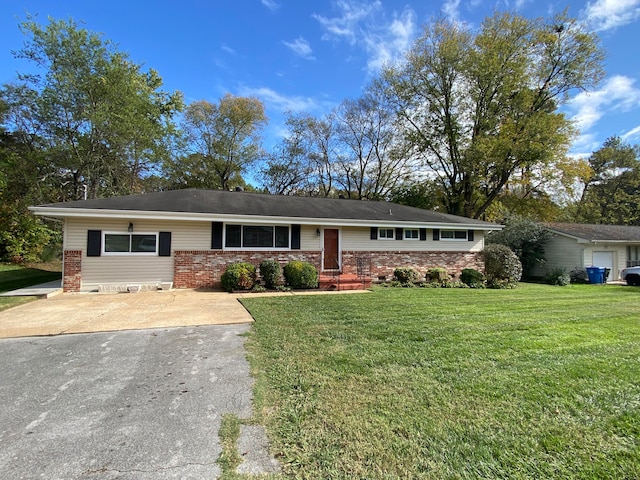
x: 244, y: 219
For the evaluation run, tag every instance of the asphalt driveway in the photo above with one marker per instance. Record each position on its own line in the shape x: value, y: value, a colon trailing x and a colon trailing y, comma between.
x: 137, y: 404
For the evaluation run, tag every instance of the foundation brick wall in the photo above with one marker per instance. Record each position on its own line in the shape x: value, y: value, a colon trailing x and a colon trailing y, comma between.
x: 204, y: 268
x: 72, y: 271
x: 384, y: 263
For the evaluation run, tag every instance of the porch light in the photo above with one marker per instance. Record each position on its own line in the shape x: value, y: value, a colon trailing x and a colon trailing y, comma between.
x: 130, y: 229
x: 317, y: 232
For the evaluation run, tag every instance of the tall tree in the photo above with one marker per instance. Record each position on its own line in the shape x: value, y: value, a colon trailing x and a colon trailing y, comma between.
x: 372, y: 162
x: 102, y: 121
x: 611, y: 193
x: 478, y: 108
x: 223, y: 137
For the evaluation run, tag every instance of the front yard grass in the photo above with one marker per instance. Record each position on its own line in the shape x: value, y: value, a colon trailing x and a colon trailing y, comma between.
x: 13, y: 277
x: 537, y: 382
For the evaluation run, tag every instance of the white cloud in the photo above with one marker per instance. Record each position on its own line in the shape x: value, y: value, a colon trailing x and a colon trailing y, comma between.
x: 364, y: 25
x: 632, y: 135
x: 228, y: 49
x: 450, y: 9
x: 347, y: 24
x: 618, y: 95
x: 388, y: 44
x: 301, y: 48
x: 281, y: 103
x: 610, y: 14
x: 270, y: 4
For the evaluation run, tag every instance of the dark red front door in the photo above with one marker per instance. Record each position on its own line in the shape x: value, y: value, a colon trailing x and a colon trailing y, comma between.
x: 331, y: 252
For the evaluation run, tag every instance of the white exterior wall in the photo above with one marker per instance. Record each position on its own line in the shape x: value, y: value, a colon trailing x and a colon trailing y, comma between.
x: 359, y: 239
x: 133, y: 268
x: 569, y: 254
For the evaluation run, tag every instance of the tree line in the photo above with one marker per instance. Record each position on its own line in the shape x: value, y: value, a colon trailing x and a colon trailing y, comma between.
x: 467, y: 123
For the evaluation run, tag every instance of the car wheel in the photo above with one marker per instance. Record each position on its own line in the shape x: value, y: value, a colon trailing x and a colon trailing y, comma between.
x: 633, y: 279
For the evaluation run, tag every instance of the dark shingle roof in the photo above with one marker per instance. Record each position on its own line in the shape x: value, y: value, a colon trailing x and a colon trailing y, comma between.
x: 593, y: 233
x: 245, y: 203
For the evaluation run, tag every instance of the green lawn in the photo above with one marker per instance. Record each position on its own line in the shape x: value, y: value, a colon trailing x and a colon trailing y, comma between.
x: 537, y: 382
x: 13, y: 277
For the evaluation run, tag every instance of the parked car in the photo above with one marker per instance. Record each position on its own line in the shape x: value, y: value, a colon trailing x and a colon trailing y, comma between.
x: 631, y: 275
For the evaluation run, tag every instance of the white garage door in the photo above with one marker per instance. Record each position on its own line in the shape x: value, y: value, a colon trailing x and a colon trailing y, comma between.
x: 604, y: 259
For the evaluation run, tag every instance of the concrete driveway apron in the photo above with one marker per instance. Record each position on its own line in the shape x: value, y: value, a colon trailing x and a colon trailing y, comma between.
x: 92, y: 312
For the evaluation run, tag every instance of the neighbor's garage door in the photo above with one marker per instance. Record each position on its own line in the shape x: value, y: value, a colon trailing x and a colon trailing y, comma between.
x: 604, y: 259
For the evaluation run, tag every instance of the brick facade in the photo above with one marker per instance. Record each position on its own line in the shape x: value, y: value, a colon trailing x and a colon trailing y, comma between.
x: 72, y: 271
x: 204, y: 268
x: 384, y: 263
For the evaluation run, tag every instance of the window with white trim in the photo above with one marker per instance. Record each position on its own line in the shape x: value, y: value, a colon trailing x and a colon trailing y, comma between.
x: 386, y: 234
x: 453, y: 234
x: 120, y: 243
x: 257, y: 236
x: 411, y: 234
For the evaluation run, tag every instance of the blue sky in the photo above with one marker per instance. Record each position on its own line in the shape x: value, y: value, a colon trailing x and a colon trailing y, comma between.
x: 304, y: 55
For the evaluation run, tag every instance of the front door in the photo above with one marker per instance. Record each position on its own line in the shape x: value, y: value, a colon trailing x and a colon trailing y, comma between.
x: 331, y: 250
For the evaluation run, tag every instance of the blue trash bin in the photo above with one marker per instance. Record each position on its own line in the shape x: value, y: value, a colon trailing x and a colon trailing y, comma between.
x: 595, y: 274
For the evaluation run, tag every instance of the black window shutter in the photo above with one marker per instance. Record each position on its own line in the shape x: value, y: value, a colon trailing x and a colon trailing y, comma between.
x: 470, y: 235
x: 295, y: 237
x: 423, y: 234
x: 436, y: 234
x: 164, y: 244
x: 94, y: 243
x: 216, y: 235
x: 374, y: 233
x: 399, y: 232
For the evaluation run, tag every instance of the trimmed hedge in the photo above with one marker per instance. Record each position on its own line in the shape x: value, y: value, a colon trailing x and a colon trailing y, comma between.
x: 407, y: 275
x: 239, y: 276
x: 299, y: 274
x: 472, y: 278
x: 270, y: 271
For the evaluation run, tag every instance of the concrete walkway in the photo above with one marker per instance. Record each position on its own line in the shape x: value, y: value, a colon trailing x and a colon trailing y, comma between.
x: 43, y: 290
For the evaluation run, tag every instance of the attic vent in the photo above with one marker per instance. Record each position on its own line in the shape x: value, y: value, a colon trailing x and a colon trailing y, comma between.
x: 390, y: 213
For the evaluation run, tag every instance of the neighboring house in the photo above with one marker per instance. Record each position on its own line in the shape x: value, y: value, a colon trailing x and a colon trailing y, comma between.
x: 577, y: 246
x: 188, y: 237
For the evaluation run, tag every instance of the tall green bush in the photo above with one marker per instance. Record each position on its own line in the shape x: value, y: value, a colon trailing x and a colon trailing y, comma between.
x: 270, y: 271
x: 299, y: 274
x: 239, y: 276
x: 502, y: 267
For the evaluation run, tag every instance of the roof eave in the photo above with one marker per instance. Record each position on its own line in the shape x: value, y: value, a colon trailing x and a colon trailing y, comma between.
x: 57, y: 212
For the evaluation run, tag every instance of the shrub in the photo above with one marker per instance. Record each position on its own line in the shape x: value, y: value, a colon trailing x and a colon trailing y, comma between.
x: 300, y: 274
x: 437, y: 274
x: 559, y: 276
x: 406, y: 275
x: 270, y: 271
x: 578, y: 275
x: 239, y: 276
x: 472, y: 278
x: 502, y: 267
x: 526, y: 239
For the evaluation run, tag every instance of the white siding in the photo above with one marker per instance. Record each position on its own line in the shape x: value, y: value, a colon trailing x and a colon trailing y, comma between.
x: 359, y: 239
x: 561, y: 252
x: 132, y: 268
